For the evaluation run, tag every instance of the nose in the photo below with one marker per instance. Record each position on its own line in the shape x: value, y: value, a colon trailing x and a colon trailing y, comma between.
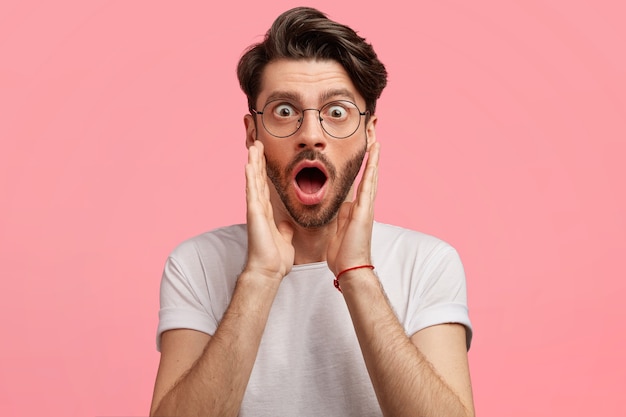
x: 311, y: 135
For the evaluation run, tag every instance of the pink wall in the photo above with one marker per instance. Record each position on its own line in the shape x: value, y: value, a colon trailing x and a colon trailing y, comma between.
x: 503, y: 131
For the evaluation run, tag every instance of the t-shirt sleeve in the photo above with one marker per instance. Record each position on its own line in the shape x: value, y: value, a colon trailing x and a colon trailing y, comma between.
x: 181, y: 303
x: 441, y: 295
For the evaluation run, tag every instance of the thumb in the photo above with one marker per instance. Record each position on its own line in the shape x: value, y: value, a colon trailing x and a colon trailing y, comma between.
x: 343, y: 215
x: 285, y: 230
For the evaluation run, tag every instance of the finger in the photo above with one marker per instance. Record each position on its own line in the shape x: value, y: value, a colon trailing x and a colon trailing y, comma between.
x: 253, y: 197
x: 374, y: 154
x: 261, y: 150
x: 264, y: 177
x: 343, y: 215
x: 286, y: 231
x: 252, y: 205
x: 263, y: 190
x: 251, y: 181
x: 255, y: 184
x: 366, y: 192
x: 256, y: 150
x: 375, y: 158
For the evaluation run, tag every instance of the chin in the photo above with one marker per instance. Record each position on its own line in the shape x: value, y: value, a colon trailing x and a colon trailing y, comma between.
x: 314, y: 216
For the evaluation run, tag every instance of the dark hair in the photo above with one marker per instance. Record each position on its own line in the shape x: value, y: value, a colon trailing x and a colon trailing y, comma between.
x: 306, y: 33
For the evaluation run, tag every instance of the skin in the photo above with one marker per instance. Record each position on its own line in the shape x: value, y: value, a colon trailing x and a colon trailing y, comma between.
x: 311, y: 216
x: 426, y: 374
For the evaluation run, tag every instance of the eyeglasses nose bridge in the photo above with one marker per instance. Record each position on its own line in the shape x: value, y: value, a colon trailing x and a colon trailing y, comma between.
x: 319, y: 118
x: 319, y: 115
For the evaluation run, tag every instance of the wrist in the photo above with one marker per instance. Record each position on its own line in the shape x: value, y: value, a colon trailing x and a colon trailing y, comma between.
x: 258, y: 271
x: 260, y: 278
x: 352, y: 273
x: 253, y: 295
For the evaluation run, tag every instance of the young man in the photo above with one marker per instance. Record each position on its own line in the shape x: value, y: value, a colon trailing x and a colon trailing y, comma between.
x: 250, y: 321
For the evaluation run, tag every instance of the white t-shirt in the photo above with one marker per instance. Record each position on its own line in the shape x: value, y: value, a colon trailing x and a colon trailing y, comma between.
x: 309, y: 362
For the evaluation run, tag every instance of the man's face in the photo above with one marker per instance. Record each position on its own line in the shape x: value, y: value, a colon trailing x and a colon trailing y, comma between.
x: 312, y: 172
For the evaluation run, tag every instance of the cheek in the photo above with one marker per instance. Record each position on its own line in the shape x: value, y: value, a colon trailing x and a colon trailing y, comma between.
x: 346, y: 155
x: 351, y: 165
x: 276, y: 153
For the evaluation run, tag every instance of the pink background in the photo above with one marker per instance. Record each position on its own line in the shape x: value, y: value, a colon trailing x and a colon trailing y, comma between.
x: 503, y: 131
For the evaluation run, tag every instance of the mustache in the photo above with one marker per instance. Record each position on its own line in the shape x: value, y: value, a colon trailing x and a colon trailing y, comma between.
x: 312, y: 155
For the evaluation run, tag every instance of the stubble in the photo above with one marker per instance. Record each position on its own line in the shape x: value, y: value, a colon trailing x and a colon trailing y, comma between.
x: 316, y: 215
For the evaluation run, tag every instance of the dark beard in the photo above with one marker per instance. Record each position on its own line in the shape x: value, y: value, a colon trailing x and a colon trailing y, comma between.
x: 315, y: 216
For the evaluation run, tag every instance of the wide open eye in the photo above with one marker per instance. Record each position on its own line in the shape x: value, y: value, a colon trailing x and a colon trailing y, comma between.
x: 335, y: 112
x: 284, y: 111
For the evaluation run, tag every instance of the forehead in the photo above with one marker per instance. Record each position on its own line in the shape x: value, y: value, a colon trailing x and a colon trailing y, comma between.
x: 310, y: 81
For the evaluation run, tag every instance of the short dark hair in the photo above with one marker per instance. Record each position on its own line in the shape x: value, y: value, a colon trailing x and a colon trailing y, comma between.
x: 306, y: 33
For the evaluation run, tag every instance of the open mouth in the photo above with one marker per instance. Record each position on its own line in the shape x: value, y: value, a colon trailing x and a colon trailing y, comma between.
x: 310, y: 180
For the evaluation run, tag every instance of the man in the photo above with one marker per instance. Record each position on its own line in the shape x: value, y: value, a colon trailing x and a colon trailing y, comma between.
x: 250, y: 321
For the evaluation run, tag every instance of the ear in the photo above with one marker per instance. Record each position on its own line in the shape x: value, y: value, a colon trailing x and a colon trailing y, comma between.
x: 248, y: 121
x: 370, y: 131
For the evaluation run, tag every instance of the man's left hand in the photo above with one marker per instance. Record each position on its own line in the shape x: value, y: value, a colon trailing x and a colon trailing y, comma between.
x: 351, y: 244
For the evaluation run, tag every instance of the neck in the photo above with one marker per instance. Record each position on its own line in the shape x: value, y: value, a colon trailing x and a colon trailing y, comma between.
x: 311, y: 244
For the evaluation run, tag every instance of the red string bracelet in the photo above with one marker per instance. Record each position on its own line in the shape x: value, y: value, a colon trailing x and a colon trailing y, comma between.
x: 336, y: 281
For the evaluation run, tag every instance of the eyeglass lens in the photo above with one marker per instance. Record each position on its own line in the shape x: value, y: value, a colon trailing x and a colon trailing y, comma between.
x: 339, y: 119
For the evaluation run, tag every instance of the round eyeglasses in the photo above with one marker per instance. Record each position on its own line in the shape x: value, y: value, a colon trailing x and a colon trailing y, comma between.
x: 340, y: 118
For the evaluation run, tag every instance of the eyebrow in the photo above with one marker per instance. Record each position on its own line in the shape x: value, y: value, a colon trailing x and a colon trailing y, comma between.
x: 337, y: 93
x: 323, y: 98
x: 284, y: 95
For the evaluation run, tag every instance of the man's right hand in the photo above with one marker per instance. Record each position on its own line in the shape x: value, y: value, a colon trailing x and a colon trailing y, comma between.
x: 270, y: 252
x: 207, y: 375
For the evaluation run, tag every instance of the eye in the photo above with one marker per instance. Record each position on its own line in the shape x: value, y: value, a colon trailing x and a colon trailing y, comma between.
x: 284, y: 110
x: 336, y: 111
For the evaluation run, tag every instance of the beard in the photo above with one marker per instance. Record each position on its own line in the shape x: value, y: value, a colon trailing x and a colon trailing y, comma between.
x: 316, y: 215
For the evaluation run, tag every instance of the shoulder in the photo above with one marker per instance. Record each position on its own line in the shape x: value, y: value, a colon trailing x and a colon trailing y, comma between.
x: 415, y: 262
x: 198, y: 279
x: 423, y: 277
x: 393, y: 241
x: 229, y: 239
x: 205, y: 264
x: 219, y: 251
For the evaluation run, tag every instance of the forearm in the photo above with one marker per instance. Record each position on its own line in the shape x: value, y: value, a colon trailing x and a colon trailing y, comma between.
x: 215, y: 384
x: 405, y: 382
